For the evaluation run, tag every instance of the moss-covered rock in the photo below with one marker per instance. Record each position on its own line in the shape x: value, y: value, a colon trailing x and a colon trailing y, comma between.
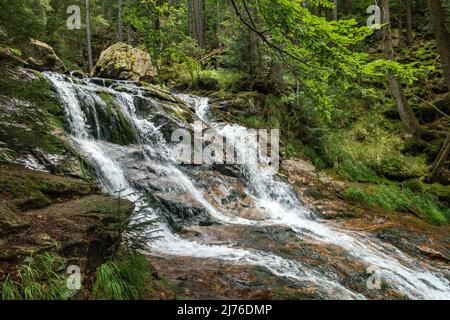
x: 107, y: 121
x: 40, y: 56
x: 40, y: 212
x: 32, y: 123
x: 123, y: 62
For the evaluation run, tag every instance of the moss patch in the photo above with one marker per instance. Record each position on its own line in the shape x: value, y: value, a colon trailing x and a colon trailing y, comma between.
x: 29, y: 114
x: 26, y: 189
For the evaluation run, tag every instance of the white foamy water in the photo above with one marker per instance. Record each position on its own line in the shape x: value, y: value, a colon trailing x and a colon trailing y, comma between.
x: 277, y: 199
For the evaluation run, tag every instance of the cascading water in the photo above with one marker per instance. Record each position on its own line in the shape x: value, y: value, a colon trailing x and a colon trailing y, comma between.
x: 126, y: 167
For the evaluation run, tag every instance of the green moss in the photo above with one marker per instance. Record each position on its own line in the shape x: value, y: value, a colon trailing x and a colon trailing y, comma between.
x: 29, y: 189
x: 114, y: 126
x: 37, y: 91
x: 438, y: 190
x: 371, y: 148
x: 7, y: 154
x: 36, y: 114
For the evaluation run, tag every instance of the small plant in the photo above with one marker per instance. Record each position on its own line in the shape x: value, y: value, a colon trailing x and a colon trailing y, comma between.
x: 37, y: 280
x: 393, y: 198
x: 121, y: 279
x: 16, y: 52
x: 288, y: 151
x: 355, y: 194
x: 356, y: 171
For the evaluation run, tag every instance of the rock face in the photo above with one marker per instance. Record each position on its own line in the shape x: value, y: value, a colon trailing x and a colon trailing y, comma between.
x: 318, y: 190
x: 40, y: 212
x: 31, y: 125
x: 42, y: 57
x: 123, y: 62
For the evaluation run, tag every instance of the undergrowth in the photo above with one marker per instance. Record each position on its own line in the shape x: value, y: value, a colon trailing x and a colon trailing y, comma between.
x: 394, y: 198
x: 122, y: 278
x: 39, y: 279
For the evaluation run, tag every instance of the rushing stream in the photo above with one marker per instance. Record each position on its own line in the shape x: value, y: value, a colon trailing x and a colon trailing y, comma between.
x: 145, y: 164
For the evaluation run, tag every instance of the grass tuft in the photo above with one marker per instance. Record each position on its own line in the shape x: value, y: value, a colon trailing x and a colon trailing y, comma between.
x: 393, y: 198
x: 123, y: 279
x: 37, y: 280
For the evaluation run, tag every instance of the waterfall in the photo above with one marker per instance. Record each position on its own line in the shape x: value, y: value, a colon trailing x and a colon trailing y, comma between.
x: 145, y: 156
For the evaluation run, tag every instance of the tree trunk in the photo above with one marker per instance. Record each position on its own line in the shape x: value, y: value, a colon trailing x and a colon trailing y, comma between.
x: 88, y: 35
x: 404, y: 109
x: 232, y: 21
x: 196, y: 21
x: 119, y: 21
x: 347, y: 7
x: 335, y: 10
x: 219, y: 21
x: 190, y: 4
x: 441, y: 160
x: 437, y: 17
x: 409, y: 30
x: 129, y: 35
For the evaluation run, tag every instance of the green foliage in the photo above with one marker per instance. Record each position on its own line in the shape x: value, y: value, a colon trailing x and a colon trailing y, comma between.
x: 288, y: 151
x: 7, y: 154
x: 22, y: 19
x: 228, y: 80
x: 407, y: 73
x: 251, y: 121
x: 121, y: 279
x: 356, y: 171
x: 16, y: 52
x: 160, y: 26
x: 355, y: 194
x: 393, y: 198
x: 370, y: 148
x: 181, y: 61
x: 37, y: 280
x: 438, y: 190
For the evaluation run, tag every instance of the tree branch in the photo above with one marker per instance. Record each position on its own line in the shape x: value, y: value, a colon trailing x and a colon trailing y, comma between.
x: 263, y: 37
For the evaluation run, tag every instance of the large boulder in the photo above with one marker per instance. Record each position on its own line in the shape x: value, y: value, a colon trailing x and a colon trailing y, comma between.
x: 41, y: 56
x: 123, y: 62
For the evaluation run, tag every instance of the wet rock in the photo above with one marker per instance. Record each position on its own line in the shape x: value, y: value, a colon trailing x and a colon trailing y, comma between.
x: 402, y: 239
x: 42, y: 57
x: 320, y: 192
x: 303, y: 171
x: 181, y: 209
x: 433, y: 254
x: 123, y: 62
x: 233, y: 200
x: 78, y: 74
x: 40, y: 213
x: 167, y: 116
x: 44, y: 241
x: 230, y: 106
x: 228, y: 170
x: 10, y: 220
